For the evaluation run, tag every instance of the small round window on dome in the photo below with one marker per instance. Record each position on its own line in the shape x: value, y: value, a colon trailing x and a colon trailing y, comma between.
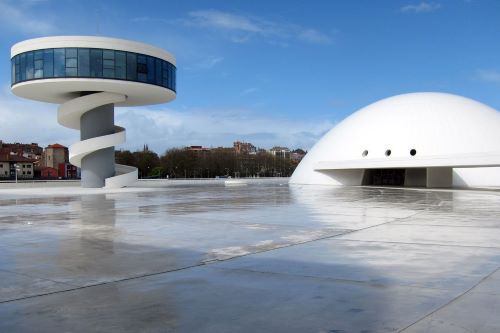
x: 365, y: 153
x: 413, y: 152
x: 388, y: 152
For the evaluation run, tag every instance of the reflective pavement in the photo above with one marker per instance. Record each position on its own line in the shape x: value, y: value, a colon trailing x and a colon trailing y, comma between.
x: 265, y: 257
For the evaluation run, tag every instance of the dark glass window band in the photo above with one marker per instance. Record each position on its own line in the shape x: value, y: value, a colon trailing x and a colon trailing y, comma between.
x: 91, y: 63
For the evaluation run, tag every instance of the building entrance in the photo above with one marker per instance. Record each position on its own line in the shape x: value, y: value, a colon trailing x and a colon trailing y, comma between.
x: 410, y: 177
x: 384, y: 177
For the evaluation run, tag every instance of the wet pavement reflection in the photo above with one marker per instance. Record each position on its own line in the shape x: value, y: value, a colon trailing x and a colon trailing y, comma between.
x: 261, y: 257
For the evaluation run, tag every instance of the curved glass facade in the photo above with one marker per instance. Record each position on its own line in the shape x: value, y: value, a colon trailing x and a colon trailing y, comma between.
x: 92, y: 63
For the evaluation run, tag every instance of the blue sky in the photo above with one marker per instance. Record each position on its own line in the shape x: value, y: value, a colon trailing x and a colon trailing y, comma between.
x: 268, y: 72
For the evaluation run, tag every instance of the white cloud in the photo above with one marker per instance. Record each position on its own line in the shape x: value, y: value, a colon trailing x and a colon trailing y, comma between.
x: 422, y: 7
x: 489, y: 75
x: 218, y: 19
x: 240, y: 39
x: 161, y: 129
x: 171, y: 128
x: 27, y: 121
x: 248, y: 91
x: 314, y: 36
x: 19, y: 17
x: 243, y: 27
x: 207, y: 63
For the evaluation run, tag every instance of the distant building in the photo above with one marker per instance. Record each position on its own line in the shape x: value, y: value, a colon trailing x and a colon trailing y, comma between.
x: 297, y: 155
x: 244, y: 148
x: 68, y: 171
x: 55, y: 164
x: 28, y: 150
x: 280, y: 152
x: 54, y: 155
x: 197, y: 148
x: 49, y: 173
x: 8, y: 163
x: 224, y: 149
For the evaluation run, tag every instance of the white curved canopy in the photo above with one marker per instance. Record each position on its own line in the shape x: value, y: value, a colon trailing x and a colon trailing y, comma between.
x: 90, y: 42
x: 441, y: 129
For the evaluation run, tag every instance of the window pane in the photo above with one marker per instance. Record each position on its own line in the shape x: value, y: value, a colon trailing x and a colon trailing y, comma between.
x: 108, y: 63
x: 108, y: 54
x: 120, y: 65
x: 109, y: 73
x: 71, y: 71
x: 38, y: 73
x: 39, y: 55
x: 18, y: 72
x: 23, y: 66
x: 38, y: 64
x: 71, y: 53
x: 142, y: 69
x: 71, y: 62
x: 59, y: 63
x: 95, y: 63
x: 158, y: 72
x: 170, y: 80
x: 30, y: 67
x: 83, y: 62
x: 48, y: 63
x: 165, y: 74
x: 131, y: 66
x: 174, y: 79
x: 98, y: 63
x: 151, y: 70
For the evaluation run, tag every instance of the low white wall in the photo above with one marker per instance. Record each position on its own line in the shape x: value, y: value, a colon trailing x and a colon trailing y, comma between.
x: 476, y: 177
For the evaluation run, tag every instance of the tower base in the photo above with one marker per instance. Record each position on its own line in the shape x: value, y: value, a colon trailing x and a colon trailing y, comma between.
x: 98, y: 165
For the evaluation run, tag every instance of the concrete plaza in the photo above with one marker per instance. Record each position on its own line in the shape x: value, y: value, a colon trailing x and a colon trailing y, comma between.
x: 256, y: 257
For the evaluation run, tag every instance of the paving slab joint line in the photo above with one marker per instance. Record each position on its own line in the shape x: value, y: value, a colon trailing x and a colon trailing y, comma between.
x: 451, y: 301
x: 332, y: 279
x: 100, y: 284
x: 444, y: 225
x: 414, y: 243
x: 347, y: 231
x: 203, y: 263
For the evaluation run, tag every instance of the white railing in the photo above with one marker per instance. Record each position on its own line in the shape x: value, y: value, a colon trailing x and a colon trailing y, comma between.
x: 69, y: 114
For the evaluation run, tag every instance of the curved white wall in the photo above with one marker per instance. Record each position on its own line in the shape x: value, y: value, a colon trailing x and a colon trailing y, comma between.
x: 434, y: 124
x: 69, y: 115
x: 476, y: 177
x: 90, y: 42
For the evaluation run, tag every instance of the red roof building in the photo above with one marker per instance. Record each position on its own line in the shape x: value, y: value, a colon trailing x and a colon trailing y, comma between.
x: 49, y: 173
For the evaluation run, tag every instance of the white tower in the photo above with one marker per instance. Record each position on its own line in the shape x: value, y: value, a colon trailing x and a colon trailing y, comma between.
x: 88, y: 76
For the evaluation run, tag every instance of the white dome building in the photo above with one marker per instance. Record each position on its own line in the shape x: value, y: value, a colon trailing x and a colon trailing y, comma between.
x: 418, y: 139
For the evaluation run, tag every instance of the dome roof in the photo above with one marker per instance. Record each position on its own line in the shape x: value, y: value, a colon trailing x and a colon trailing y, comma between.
x: 415, y: 125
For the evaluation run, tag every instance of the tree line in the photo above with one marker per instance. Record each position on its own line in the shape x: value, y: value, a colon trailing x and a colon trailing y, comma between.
x: 218, y: 162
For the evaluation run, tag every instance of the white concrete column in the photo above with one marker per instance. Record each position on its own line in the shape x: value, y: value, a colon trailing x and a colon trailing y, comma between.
x: 440, y: 177
x: 100, y: 164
